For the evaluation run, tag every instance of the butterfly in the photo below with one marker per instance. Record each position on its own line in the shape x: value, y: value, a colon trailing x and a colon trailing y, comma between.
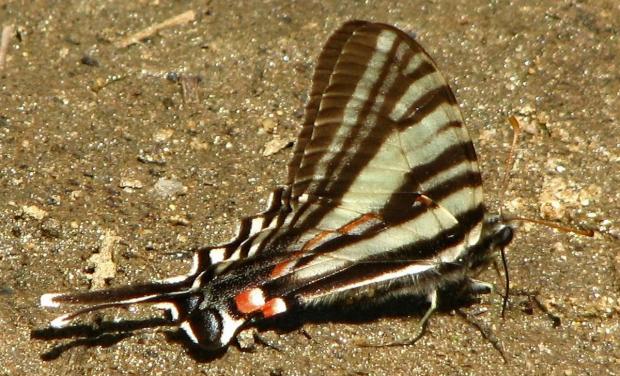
x: 383, y: 200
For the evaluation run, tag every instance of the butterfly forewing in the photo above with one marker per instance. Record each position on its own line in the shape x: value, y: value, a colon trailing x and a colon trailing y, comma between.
x: 382, y: 128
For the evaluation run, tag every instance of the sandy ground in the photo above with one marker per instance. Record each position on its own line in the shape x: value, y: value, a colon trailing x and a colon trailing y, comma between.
x: 88, y: 129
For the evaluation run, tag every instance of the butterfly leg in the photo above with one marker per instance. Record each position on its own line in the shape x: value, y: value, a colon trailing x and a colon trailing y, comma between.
x: 432, y: 297
x: 486, y: 332
x: 471, y: 289
x: 249, y: 338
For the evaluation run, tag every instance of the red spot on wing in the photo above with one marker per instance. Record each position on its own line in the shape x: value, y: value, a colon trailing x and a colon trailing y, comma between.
x: 253, y: 299
x: 273, y: 307
x: 250, y: 300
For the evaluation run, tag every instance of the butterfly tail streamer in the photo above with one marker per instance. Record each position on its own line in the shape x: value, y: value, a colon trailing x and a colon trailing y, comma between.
x: 165, y: 295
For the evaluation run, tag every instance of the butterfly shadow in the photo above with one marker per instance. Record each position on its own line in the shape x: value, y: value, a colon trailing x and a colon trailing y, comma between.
x: 397, y: 307
x: 110, y: 333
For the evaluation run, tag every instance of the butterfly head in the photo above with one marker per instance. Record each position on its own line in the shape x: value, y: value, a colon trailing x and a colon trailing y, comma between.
x: 496, y: 234
x: 499, y: 231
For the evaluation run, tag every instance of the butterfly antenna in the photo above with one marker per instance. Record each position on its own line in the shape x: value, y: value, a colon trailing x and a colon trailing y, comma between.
x: 557, y: 226
x: 516, y: 127
x: 509, y: 164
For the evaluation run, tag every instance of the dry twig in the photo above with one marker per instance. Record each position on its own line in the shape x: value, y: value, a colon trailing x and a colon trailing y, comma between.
x: 180, y: 19
x: 7, y: 32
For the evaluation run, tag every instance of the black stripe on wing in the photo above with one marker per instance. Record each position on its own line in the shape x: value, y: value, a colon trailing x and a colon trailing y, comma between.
x: 381, y: 126
x: 329, y: 277
x: 382, y: 129
x: 324, y: 69
x: 249, y: 228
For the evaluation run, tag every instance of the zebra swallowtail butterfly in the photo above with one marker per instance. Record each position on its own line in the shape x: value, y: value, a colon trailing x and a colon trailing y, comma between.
x: 383, y: 200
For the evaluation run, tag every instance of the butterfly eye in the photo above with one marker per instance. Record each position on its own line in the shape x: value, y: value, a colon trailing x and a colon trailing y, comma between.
x: 205, y: 328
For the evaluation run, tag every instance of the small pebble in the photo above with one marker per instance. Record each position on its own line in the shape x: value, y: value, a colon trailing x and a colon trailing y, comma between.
x: 162, y: 135
x: 51, y: 228
x: 130, y: 183
x: 178, y: 220
x: 173, y: 76
x: 34, y: 212
x: 89, y: 60
x: 275, y: 145
x: 169, y: 188
x: 268, y: 125
x: 196, y: 144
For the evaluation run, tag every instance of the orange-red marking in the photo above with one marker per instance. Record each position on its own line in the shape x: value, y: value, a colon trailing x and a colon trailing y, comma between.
x: 250, y: 300
x: 284, y: 267
x: 317, y: 239
x: 351, y: 226
x: 273, y: 307
x: 425, y: 200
